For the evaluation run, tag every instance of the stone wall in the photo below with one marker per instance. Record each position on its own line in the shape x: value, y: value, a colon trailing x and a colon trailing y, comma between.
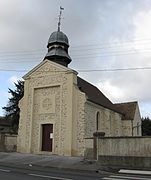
x: 125, y: 146
x: 8, y: 142
x: 132, y: 127
x: 127, y: 127
x: 80, y: 123
x: 109, y: 121
x: 46, y: 86
x: 52, y: 96
x: 89, y: 148
x: 125, y: 151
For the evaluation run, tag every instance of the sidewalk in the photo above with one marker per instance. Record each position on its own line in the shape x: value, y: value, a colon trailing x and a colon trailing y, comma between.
x: 53, y: 161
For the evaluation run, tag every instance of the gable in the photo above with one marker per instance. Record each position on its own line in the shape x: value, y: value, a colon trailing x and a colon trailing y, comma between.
x: 47, y: 67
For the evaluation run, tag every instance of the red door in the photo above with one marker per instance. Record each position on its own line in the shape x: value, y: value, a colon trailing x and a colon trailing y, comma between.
x: 47, y: 137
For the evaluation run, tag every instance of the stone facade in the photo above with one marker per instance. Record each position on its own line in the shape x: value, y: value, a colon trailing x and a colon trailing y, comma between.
x: 52, y: 96
x: 109, y: 121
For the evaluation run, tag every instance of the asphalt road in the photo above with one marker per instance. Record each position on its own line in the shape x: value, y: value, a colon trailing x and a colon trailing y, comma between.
x: 37, y: 173
x: 43, y: 173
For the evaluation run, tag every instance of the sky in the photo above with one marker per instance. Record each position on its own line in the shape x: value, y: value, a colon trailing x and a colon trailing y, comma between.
x: 110, y: 44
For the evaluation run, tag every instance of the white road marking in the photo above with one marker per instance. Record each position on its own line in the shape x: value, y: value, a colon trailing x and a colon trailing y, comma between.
x: 4, y: 170
x: 51, y: 177
x: 108, y: 178
x: 131, y: 177
x: 135, y: 172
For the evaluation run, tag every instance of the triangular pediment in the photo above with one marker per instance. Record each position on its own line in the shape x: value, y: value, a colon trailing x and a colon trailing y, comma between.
x: 47, y: 67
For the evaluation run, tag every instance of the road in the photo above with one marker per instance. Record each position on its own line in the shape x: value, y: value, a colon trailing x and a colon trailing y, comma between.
x: 41, y: 173
x: 37, y: 173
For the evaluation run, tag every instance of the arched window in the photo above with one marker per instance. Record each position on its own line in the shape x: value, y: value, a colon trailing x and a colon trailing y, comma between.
x: 97, y: 120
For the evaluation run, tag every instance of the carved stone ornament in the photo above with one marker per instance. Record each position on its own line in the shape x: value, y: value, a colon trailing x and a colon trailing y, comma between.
x: 47, y: 104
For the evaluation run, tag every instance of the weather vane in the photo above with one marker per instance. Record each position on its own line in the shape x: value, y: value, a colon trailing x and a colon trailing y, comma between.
x: 59, y: 23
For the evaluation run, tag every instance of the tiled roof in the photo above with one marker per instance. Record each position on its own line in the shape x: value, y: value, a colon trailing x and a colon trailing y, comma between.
x: 95, y: 95
x: 128, y: 109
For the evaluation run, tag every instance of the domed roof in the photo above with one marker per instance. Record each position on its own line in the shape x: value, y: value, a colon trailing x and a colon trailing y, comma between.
x: 58, y: 36
x: 58, y: 45
x: 58, y: 52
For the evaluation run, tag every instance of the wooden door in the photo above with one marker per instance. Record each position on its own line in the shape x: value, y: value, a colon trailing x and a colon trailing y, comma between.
x: 47, y: 137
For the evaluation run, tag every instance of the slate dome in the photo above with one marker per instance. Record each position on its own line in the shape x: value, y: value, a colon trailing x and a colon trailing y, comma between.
x: 58, y: 45
x: 58, y: 37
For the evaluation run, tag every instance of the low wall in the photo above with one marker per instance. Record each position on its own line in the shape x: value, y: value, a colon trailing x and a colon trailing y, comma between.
x: 125, y: 161
x: 125, y: 146
x: 125, y: 151
x: 8, y: 142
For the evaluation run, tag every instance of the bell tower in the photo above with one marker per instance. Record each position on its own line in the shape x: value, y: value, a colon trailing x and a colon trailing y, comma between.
x: 58, y: 45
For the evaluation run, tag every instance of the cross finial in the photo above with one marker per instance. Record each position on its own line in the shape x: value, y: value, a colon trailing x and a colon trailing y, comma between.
x: 59, y: 23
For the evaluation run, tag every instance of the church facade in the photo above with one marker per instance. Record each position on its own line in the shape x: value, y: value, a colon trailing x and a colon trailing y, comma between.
x: 59, y: 109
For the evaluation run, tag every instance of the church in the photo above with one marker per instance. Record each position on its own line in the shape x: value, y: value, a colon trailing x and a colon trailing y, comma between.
x: 60, y: 110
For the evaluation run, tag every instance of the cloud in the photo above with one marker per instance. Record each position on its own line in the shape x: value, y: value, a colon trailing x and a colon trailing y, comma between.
x: 143, y: 29
x: 98, y: 32
x: 130, y: 85
x: 142, y: 24
x: 111, y: 91
x: 127, y: 86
